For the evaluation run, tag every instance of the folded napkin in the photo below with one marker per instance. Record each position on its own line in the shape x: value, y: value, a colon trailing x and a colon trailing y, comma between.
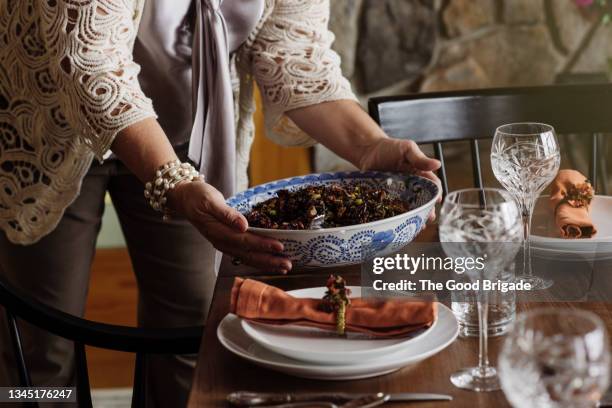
x: 570, y: 198
x: 263, y: 303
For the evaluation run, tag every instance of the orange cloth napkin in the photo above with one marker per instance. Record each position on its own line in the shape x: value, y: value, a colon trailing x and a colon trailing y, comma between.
x: 573, y: 222
x: 263, y: 303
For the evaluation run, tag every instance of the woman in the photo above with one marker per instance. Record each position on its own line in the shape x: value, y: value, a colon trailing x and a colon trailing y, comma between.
x: 70, y: 91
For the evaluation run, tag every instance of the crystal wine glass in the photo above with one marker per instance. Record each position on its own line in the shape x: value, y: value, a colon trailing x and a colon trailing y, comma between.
x: 481, y: 223
x: 525, y: 158
x: 555, y: 358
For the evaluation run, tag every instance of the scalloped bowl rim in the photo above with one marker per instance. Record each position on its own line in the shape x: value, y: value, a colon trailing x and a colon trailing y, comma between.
x: 348, y: 228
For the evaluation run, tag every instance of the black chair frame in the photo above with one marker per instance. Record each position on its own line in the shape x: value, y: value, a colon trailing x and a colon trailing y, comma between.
x: 439, y: 117
x: 83, y: 332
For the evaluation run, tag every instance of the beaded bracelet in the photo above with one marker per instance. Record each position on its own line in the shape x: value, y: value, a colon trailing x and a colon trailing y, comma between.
x: 166, y: 178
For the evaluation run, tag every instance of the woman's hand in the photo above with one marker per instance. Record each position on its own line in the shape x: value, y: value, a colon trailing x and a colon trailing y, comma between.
x: 349, y: 132
x: 399, y: 155
x: 344, y: 128
x: 226, y: 228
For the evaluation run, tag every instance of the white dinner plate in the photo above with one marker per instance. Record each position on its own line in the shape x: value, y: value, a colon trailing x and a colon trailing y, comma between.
x: 545, y: 237
x: 445, y: 331
x: 322, y: 346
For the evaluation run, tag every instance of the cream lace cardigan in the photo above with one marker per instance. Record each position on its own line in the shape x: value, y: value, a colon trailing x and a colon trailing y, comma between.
x: 68, y: 85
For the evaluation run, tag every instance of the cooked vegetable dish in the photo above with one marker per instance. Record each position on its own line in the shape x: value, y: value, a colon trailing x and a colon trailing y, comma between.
x: 341, y: 206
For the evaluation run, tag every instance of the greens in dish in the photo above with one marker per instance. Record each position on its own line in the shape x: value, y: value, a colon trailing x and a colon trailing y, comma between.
x: 341, y: 205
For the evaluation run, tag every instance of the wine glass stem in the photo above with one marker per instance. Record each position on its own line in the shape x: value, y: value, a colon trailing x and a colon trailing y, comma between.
x: 527, y: 214
x: 483, y: 349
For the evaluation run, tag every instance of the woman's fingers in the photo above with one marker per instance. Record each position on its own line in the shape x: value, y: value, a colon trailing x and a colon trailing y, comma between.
x: 226, y: 228
x: 432, y: 176
x: 255, y: 242
x: 260, y: 260
x: 415, y: 156
x: 256, y: 252
x: 221, y: 233
x: 252, y: 249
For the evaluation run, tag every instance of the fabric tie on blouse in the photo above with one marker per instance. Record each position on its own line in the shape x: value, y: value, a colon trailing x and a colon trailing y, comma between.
x: 212, y: 144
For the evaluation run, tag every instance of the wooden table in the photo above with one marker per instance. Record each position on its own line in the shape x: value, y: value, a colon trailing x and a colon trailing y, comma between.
x: 219, y: 372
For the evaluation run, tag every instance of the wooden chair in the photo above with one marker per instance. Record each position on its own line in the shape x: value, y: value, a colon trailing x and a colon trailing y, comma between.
x: 436, y: 118
x: 84, y: 332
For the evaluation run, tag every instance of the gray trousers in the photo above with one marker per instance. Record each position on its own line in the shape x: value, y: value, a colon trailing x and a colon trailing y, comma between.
x: 174, y: 269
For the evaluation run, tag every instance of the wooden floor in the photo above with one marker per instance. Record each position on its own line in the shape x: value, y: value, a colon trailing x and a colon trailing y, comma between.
x: 112, y: 299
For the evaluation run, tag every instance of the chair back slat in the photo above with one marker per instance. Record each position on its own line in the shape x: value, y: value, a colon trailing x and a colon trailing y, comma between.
x: 13, y: 327
x: 435, y: 118
x: 448, y: 116
x: 593, y: 159
x: 18, y: 304
x: 439, y: 154
x: 476, y: 170
x: 139, y: 390
x: 601, y: 163
x: 82, y: 376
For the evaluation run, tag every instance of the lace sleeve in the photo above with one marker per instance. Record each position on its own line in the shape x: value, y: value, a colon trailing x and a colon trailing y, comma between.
x: 294, y: 66
x: 90, y: 58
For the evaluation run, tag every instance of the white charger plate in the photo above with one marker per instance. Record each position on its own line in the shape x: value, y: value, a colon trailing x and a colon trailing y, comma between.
x: 233, y: 337
x: 322, y: 346
x: 545, y: 234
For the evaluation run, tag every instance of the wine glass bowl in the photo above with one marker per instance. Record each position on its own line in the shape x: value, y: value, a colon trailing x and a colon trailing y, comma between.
x: 555, y: 358
x: 525, y: 158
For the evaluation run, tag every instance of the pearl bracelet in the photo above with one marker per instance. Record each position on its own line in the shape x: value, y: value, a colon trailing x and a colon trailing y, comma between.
x: 166, y: 178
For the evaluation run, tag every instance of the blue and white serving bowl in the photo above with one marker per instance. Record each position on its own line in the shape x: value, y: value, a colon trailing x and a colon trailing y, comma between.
x: 345, y: 245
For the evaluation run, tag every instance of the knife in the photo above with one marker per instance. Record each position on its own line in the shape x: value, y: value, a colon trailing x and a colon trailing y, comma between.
x: 246, y: 398
x: 369, y: 401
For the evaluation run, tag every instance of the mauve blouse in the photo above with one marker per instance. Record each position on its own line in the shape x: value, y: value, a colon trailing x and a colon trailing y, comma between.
x: 163, y: 49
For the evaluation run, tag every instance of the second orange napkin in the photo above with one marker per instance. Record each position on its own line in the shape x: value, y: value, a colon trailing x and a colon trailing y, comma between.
x: 263, y: 303
x: 569, y: 199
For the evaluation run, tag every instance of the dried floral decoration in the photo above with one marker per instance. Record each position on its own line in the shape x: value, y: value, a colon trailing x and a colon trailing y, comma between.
x: 579, y: 195
x: 336, y: 300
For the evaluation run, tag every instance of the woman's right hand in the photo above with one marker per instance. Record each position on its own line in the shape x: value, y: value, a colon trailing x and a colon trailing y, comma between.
x: 204, y: 206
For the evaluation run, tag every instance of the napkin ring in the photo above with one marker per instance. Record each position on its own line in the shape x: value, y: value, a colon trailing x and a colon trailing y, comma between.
x: 166, y: 178
x: 336, y: 300
x: 578, y: 196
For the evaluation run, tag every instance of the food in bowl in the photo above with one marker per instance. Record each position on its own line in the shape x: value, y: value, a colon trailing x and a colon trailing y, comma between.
x: 346, y: 245
x: 341, y: 205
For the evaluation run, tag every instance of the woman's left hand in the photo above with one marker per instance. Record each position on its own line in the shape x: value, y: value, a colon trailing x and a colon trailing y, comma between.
x: 399, y: 155
x: 388, y: 154
x: 344, y: 128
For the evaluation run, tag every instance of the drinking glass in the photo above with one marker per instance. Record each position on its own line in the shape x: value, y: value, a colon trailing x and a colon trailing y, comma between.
x: 501, y: 313
x: 555, y: 358
x: 525, y: 158
x: 480, y: 223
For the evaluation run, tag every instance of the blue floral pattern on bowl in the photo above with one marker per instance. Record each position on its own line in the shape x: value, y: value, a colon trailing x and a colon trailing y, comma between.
x: 345, y: 245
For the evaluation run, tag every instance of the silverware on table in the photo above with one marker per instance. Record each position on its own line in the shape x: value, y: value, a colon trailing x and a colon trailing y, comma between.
x: 312, y: 404
x: 368, y: 401
x: 248, y: 399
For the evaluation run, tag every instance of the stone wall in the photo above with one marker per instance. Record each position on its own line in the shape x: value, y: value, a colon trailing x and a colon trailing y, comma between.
x: 401, y: 46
